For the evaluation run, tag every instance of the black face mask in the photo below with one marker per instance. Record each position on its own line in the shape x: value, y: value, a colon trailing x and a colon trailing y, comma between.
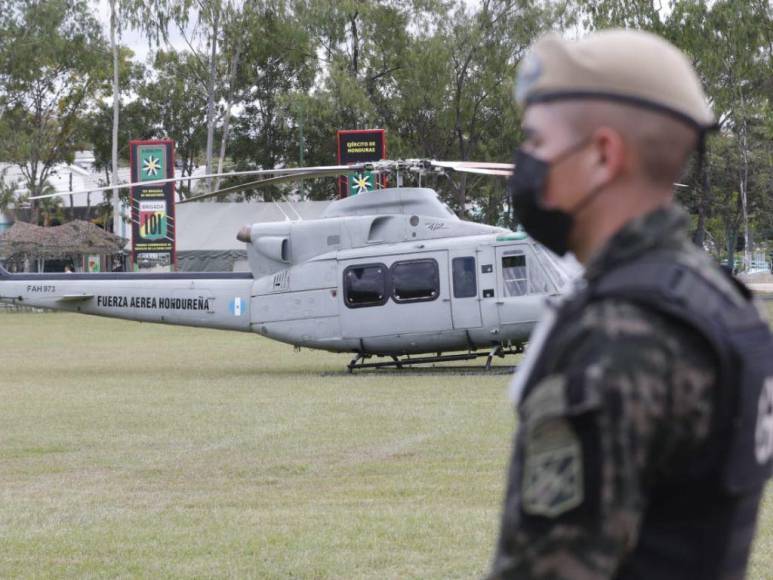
x: 550, y: 227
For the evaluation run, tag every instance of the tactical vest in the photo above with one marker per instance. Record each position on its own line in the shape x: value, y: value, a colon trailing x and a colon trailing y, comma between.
x: 700, y: 518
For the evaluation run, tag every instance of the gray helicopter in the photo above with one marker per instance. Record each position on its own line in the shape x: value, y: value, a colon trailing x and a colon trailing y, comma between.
x: 391, y: 273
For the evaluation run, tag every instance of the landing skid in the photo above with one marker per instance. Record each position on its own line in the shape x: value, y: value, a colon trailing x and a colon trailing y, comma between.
x: 359, y: 361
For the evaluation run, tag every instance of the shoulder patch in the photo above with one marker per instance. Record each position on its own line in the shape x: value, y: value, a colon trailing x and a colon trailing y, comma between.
x: 553, y: 475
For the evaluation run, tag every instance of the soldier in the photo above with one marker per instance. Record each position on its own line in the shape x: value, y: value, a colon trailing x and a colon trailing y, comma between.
x: 645, y: 402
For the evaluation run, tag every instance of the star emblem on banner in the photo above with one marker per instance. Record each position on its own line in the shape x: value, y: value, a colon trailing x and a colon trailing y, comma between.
x: 362, y: 183
x: 151, y: 165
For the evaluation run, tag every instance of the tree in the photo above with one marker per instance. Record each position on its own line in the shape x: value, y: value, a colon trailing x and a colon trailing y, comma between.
x: 96, y: 131
x: 436, y: 75
x: 729, y: 42
x: 174, y: 104
x: 51, y: 208
x: 218, y: 22
x: 97, y: 123
x: 485, y: 49
x: 277, y: 67
x: 9, y: 200
x: 52, y: 65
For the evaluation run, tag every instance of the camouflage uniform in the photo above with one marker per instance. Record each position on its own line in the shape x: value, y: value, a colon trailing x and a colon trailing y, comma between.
x: 618, y: 398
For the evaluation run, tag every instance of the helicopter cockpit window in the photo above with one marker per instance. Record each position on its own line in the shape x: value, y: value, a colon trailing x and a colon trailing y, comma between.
x: 415, y: 281
x: 464, y: 277
x: 514, y: 275
x: 539, y: 283
x: 365, y: 285
x: 553, y: 268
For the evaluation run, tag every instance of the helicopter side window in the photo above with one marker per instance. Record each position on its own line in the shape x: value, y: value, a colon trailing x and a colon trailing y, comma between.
x: 464, y: 277
x: 415, y: 281
x: 514, y: 275
x: 365, y: 285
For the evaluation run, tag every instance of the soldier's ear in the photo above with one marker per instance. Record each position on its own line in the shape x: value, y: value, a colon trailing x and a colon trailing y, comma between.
x: 609, y: 157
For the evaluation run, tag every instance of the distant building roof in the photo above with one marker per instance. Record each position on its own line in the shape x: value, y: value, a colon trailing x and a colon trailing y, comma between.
x: 73, y: 238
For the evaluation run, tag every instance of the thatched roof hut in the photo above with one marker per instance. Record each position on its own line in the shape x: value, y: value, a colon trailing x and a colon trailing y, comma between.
x: 73, y: 241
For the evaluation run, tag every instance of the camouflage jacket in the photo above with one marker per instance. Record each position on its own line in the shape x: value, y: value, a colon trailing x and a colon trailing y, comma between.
x: 619, y: 394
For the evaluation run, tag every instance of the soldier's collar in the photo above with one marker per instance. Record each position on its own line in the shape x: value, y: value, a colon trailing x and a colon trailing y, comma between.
x: 662, y: 228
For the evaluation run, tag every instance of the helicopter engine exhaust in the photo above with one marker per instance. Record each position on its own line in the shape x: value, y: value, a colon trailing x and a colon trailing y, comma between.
x: 245, y: 234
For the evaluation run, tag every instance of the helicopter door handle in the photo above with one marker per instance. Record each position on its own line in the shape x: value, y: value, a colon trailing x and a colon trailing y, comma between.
x: 446, y: 300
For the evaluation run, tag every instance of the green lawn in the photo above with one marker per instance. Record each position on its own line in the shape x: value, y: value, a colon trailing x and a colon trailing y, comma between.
x: 143, y: 450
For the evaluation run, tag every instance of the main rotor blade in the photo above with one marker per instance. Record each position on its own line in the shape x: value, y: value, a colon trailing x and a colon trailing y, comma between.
x: 484, y: 171
x: 259, y: 183
x: 477, y: 167
x: 472, y: 164
x: 286, y: 171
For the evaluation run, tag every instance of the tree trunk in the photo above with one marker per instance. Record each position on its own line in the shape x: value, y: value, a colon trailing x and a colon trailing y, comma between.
x: 744, y: 185
x: 746, y: 255
x: 211, y: 91
x: 461, y: 196
x: 115, y: 199
x: 35, y: 204
x: 699, y: 237
x: 189, y: 162
x: 72, y: 202
x: 227, y: 120
x: 461, y: 77
x: 732, y: 238
x: 700, y: 233
x: 355, y: 45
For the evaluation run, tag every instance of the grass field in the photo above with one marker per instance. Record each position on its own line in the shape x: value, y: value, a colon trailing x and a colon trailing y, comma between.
x: 152, y: 451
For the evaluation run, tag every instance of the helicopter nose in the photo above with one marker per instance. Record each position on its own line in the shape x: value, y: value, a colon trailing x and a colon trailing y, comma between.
x: 245, y: 234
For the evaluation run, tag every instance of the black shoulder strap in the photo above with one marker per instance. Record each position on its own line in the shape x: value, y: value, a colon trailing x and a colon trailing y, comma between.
x: 660, y: 282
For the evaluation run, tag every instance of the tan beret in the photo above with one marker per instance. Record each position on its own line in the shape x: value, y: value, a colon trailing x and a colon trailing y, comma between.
x: 630, y: 66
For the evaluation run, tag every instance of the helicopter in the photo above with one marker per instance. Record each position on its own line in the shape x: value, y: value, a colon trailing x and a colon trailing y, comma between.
x: 390, y: 274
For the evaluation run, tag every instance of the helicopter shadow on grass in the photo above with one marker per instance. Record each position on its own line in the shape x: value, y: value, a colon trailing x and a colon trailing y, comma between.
x: 469, y: 370
x: 139, y: 373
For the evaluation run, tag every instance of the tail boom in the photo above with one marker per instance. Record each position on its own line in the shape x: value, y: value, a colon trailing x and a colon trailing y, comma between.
x: 216, y: 300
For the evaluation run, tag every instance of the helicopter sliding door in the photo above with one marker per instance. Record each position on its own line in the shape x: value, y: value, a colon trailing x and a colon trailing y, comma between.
x: 521, y: 289
x: 396, y: 303
x: 465, y: 300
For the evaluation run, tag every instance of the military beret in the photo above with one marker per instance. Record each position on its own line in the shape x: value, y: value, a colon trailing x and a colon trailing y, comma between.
x: 629, y: 66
